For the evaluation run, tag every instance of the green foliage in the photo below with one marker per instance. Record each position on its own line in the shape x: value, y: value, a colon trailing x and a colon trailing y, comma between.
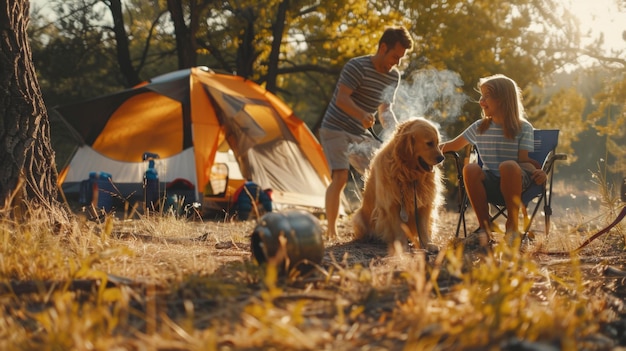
x: 564, y: 111
x: 74, y: 60
x: 609, y: 119
x: 474, y: 39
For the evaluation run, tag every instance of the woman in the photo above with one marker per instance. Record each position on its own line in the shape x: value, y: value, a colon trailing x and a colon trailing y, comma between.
x: 503, y: 138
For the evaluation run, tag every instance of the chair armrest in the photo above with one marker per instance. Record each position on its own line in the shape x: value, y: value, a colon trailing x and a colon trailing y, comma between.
x: 457, y: 161
x: 552, y: 157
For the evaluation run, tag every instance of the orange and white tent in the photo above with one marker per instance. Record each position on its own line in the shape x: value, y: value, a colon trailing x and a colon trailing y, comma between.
x: 189, y: 118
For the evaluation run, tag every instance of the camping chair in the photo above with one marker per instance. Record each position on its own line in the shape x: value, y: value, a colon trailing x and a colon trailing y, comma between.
x: 546, y: 141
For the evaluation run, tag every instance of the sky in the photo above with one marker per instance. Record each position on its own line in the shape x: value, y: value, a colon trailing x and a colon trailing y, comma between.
x: 603, y: 16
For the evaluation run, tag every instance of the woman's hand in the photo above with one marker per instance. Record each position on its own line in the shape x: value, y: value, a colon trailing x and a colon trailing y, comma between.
x: 539, y: 176
x: 534, y: 168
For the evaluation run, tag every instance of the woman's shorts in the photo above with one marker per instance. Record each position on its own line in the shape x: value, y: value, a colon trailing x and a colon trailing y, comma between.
x: 492, y: 185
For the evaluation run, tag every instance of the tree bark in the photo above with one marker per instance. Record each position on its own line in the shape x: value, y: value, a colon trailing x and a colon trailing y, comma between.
x: 26, y: 153
x: 121, y: 38
x: 185, y: 36
x: 246, y: 54
x: 278, y: 30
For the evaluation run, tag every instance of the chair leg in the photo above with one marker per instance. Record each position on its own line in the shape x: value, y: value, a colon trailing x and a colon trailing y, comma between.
x: 462, y: 195
x: 461, y: 220
x: 547, y: 194
x: 547, y: 210
x: 500, y: 211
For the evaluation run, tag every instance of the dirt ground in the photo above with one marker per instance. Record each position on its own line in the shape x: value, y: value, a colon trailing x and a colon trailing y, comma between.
x: 226, y: 283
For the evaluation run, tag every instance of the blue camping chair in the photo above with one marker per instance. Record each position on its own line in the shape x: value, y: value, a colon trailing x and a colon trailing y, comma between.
x: 546, y: 141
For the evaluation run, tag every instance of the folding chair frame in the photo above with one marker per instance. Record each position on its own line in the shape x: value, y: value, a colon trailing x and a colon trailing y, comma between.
x: 546, y: 156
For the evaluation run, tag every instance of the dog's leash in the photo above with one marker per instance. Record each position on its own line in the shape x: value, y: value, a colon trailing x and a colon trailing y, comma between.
x: 371, y: 129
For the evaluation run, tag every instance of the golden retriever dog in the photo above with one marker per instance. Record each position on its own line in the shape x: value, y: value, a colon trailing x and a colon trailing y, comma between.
x: 403, y: 188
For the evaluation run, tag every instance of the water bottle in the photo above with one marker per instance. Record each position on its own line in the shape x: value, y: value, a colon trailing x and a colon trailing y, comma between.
x: 151, y: 187
x: 105, y: 191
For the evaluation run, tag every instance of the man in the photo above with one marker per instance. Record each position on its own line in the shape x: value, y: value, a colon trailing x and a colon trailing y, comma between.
x: 366, y: 85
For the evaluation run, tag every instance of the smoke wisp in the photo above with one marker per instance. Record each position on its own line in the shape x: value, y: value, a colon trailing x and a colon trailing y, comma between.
x: 434, y: 95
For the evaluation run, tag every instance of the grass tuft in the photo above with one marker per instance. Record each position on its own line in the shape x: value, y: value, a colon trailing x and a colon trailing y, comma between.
x: 166, y: 283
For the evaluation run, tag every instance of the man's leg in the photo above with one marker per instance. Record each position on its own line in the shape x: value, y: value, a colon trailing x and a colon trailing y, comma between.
x: 473, y: 176
x: 333, y: 199
x: 511, y: 188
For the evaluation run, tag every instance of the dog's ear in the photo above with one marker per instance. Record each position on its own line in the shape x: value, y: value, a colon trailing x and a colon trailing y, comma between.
x: 405, y: 148
x: 404, y: 143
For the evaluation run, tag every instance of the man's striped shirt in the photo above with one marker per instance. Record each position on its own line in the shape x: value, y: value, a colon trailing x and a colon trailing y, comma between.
x: 370, y: 88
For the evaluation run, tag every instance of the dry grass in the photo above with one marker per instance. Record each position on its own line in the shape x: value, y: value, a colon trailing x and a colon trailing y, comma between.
x: 163, y: 283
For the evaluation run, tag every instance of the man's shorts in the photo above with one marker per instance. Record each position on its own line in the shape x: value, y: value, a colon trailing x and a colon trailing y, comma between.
x: 492, y: 185
x: 342, y: 148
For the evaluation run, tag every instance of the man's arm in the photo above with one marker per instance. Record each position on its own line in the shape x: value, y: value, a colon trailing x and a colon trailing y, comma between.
x: 346, y: 104
x: 386, y: 116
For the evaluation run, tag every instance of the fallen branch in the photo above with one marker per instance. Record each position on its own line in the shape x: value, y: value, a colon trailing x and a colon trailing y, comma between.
x: 20, y: 287
x: 146, y: 237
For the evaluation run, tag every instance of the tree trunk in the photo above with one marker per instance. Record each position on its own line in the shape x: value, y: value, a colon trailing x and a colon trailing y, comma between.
x: 246, y: 54
x: 185, y: 36
x: 25, y: 152
x: 278, y: 30
x: 121, y: 38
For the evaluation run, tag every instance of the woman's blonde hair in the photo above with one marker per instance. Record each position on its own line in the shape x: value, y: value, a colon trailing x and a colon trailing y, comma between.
x: 509, y: 96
